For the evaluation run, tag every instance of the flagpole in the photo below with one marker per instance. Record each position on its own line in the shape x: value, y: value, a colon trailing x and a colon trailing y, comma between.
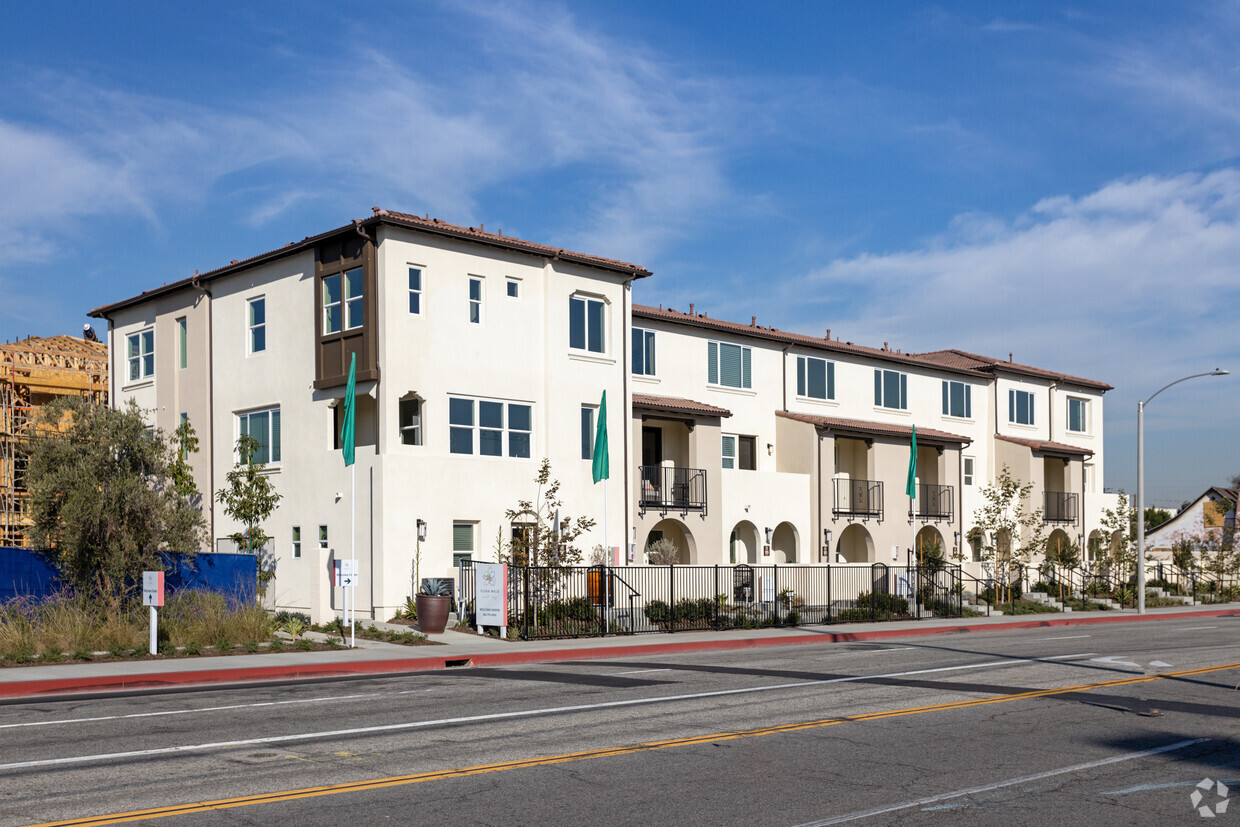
x: 353, y: 550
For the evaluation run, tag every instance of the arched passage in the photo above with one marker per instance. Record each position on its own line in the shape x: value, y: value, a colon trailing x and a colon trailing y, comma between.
x: 678, y: 534
x: 784, y: 543
x: 1096, y: 548
x: 1056, y: 542
x: 929, y: 542
x: 743, y: 543
x: 856, y: 545
x: 977, y: 544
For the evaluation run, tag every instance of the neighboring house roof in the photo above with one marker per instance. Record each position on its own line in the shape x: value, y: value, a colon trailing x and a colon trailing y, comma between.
x: 972, y: 361
x: 1182, y: 524
x: 1044, y: 446
x: 859, y: 427
x: 428, y: 225
x: 701, y: 320
x: 676, y: 405
x: 57, y: 346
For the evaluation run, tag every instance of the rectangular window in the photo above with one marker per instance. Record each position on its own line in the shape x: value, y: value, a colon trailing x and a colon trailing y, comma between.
x: 957, y: 399
x: 585, y: 324
x: 729, y: 451
x: 181, y: 422
x: 182, y: 343
x: 353, y: 311
x: 815, y: 378
x: 475, y: 301
x: 346, y: 309
x: 1087, y: 476
x: 415, y: 290
x: 258, y: 325
x: 643, y: 352
x: 322, y: 538
x: 1077, y: 412
x: 1020, y: 407
x: 891, y: 389
x: 497, y: 428
x: 331, y: 304
x: 968, y: 470
x: 748, y: 459
x: 141, y: 355
x: 410, y: 413
x: 263, y: 427
x: 462, y: 544
x: 587, y: 432
x: 728, y: 365
x: 514, y: 288
x: 296, y: 542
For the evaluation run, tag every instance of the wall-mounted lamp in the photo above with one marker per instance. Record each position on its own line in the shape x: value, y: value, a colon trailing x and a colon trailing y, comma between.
x: 957, y: 539
x: 421, y: 530
x: 338, y: 496
x: 770, y: 449
x: 768, y: 536
x: 895, y: 553
x: 826, y: 537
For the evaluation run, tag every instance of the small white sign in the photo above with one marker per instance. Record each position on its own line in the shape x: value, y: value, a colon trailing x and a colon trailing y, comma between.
x: 490, y: 594
x: 152, y: 588
x: 349, y: 567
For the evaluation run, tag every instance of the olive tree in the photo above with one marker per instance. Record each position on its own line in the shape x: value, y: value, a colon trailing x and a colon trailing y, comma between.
x: 1012, y: 532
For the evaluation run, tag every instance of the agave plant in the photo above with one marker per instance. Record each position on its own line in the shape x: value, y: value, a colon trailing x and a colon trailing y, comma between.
x: 436, y: 586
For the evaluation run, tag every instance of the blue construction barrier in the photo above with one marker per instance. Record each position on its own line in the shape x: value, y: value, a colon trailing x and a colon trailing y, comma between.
x: 25, y: 573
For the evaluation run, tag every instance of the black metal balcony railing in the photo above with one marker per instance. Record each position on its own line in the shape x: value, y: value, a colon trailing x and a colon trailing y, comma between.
x: 858, y: 498
x: 934, y: 502
x: 672, y: 489
x: 1060, y: 507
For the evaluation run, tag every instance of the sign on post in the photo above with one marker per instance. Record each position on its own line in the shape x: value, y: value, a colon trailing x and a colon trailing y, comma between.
x: 153, y: 596
x: 491, y: 596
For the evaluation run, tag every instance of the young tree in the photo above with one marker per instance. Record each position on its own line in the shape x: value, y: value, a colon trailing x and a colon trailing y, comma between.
x: 104, y: 496
x: 1013, y: 532
x: 1120, y: 526
x: 249, y: 497
x: 549, y: 538
x: 1061, y: 557
x: 1184, y: 555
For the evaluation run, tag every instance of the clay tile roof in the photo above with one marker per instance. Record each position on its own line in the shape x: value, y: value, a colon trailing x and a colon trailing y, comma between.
x: 701, y: 320
x: 1044, y: 446
x: 429, y: 225
x: 672, y: 404
x: 973, y: 361
x: 860, y: 427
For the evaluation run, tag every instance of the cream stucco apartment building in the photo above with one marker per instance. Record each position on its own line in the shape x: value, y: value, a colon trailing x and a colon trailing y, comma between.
x: 480, y: 354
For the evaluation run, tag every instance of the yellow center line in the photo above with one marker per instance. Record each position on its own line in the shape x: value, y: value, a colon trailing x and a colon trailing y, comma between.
x: 460, y: 772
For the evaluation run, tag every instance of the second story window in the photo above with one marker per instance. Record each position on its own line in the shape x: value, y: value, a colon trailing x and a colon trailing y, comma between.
x: 643, y: 352
x: 1020, y: 407
x: 410, y: 413
x: 342, y: 301
x: 815, y: 378
x: 585, y: 324
x: 258, y: 325
x: 1078, y: 412
x: 475, y: 301
x: 587, y: 431
x: 739, y: 452
x: 729, y: 366
x: 296, y: 542
x: 968, y: 470
x: 957, y: 400
x: 264, y: 427
x: 891, y: 389
x: 487, y: 428
x: 141, y: 350
x: 415, y: 290
x: 182, y: 343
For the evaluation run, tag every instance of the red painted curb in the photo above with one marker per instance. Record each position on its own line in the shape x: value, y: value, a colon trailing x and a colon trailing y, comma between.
x: 107, y: 683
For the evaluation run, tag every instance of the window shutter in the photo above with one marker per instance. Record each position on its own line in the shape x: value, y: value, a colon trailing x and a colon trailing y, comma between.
x: 712, y: 363
x: 830, y: 380
x: 639, y: 366
x: 968, y: 402
x: 903, y: 391
x: 275, y: 435
x: 746, y: 355
x: 462, y: 537
x: 577, y: 324
x: 878, y: 387
x: 946, y: 407
x: 800, y: 376
x: 650, y: 369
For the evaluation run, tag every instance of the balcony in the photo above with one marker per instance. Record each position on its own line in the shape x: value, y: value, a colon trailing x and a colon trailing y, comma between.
x: 666, y: 489
x: 1059, y: 508
x: 934, y: 502
x: 858, y: 499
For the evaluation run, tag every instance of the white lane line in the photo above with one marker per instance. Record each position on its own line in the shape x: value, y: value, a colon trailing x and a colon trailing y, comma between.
x: 1065, y: 637
x: 1024, y: 779
x: 498, y: 716
x: 210, y: 709
x: 639, y: 671
x: 1194, y: 628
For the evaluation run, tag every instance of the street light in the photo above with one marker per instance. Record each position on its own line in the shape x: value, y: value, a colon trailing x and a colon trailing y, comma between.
x: 1141, y: 483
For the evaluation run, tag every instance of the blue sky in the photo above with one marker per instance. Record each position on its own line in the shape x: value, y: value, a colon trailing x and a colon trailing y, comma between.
x: 1056, y: 180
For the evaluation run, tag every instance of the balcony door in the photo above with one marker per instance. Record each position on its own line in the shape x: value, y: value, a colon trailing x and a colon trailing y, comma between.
x: 652, y: 446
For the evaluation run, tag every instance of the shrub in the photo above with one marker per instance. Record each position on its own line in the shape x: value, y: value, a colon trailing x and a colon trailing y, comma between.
x: 691, y: 610
x: 277, y: 646
x: 657, y: 611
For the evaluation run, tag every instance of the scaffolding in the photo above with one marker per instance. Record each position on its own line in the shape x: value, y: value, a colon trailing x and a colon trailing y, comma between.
x: 33, y: 372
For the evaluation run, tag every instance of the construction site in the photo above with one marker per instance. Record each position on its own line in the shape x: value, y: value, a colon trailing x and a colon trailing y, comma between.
x: 33, y: 372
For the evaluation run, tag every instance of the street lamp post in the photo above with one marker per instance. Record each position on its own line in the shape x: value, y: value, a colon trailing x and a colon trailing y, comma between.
x: 1141, y: 483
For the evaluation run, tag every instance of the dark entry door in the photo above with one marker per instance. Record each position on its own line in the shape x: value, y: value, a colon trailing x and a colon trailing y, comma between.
x: 652, y: 446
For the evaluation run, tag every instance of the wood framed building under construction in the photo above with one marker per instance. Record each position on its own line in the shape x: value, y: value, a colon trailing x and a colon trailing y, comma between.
x: 33, y: 372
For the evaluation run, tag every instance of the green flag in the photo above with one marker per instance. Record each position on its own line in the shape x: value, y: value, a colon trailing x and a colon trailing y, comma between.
x: 601, y: 468
x: 911, y: 487
x: 346, y: 425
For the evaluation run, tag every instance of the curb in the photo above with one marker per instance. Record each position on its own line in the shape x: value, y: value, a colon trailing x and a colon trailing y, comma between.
x: 53, y: 687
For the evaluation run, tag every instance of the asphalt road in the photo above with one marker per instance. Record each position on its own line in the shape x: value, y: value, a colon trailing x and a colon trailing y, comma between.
x: 1070, y: 725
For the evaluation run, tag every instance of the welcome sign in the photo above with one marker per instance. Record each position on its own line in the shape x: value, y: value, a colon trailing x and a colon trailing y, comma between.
x: 491, y: 594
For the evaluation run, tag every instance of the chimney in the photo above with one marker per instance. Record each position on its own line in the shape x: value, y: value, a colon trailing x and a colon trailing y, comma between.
x: 828, y: 336
x: 374, y: 210
x: 753, y: 321
x: 884, y: 345
x: 690, y: 308
x: 1009, y: 356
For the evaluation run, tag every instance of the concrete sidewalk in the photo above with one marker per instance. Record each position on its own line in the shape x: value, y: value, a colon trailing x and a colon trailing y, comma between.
x: 461, y: 649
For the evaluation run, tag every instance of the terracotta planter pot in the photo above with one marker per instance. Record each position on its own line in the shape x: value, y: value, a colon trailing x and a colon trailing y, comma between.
x: 433, y: 613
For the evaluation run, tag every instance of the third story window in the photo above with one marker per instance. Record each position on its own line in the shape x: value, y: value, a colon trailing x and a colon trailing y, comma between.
x: 410, y: 412
x: 258, y: 325
x: 415, y: 290
x: 296, y: 541
x: 585, y: 324
x: 475, y: 301
x: 643, y: 352
x: 1077, y: 410
x: 264, y: 428
x: 141, y: 355
x: 514, y: 289
x: 815, y: 378
x: 957, y: 399
x: 342, y: 308
x: 488, y: 428
x: 968, y: 470
x: 891, y: 389
x: 182, y: 343
x: 728, y: 365
x: 1020, y: 407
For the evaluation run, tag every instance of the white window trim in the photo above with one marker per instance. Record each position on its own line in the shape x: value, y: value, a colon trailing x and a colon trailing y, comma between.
x: 249, y: 328
x: 271, y: 465
x: 1085, y: 417
x: 481, y: 300
x: 506, y: 430
x: 296, y: 541
x: 604, y: 356
x: 520, y: 291
x: 650, y: 377
x: 828, y: 379
x: 143, y: 375
x: 971, y: 476
x: 421, y: 291
x: 1033, y: 409
x: 421, y: 426
x: 718, y: 386
x: 905, y: 411
x: 969, y: 389
x: 323, y: 538
x: 183, y: 343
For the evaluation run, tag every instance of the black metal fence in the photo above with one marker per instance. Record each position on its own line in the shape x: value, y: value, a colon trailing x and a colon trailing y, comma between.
x: 1059, y: 507
x: 603, y: 600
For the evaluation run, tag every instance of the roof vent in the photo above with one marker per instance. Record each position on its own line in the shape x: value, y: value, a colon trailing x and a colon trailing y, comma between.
x: 234, y: 261
x: 690, y: 308
x: 828, y: 336
x: 374, y: 210
x: 753, y: 321
x: 1009, y: 356
x: 884, y: 345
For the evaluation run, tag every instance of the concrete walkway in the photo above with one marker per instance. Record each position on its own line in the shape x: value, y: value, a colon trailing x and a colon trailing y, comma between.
x: 460, y: 649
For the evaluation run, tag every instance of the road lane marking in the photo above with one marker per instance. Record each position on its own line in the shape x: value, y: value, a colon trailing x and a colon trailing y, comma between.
x: 460, y: 772
x: 639, y: 671
x: 985, y: 788
x: 496, y: 716
x: 1116, y: 660
x: 1065, y: 637
x: 1194, y: 628
x: 254, y: 705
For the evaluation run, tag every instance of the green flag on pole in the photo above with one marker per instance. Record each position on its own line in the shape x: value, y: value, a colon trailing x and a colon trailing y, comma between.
x: 346, y: 425
x: 911, y: 487
x: 601, y: 468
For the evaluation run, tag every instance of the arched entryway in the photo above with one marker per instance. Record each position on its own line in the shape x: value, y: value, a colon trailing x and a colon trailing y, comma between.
x: 929, y: 543
x: 678, y: 534
x: 784, y: 543
x: 977, y: 544
x: 1056, y: 542
x: 743, y: 543
x: 855, y: 545
x: 1095, y: 548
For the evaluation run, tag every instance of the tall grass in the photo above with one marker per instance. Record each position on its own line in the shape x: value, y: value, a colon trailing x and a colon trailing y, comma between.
x: 72, y: 623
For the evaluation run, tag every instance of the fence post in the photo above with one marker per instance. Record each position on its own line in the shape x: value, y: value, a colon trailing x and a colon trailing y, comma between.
x: 829, y: 595
x: 775, y: 577
x: 714, y: 598
x: 525, y: 585
x: 671, y: 596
